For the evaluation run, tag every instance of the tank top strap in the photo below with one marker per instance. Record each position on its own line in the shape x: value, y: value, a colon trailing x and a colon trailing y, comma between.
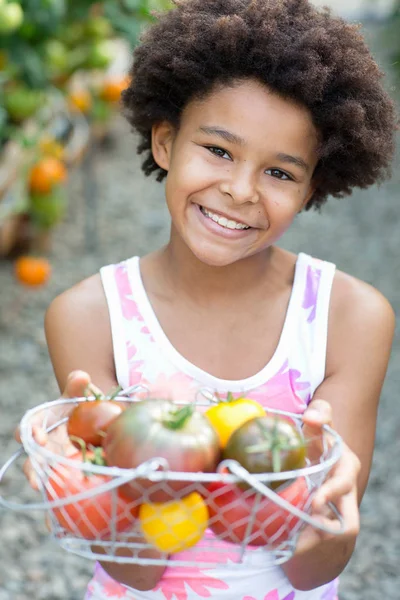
x: 312, y: 290
x: 125, y: 319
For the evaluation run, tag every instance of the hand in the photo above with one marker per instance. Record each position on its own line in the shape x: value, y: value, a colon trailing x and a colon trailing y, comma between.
x: 77, y: 385
x: 340, y: 488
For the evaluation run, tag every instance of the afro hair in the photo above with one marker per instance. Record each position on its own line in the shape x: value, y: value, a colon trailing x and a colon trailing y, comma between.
x: 298, y: 51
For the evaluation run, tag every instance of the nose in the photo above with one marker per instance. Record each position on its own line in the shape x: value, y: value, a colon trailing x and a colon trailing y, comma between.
x: 241, y: 185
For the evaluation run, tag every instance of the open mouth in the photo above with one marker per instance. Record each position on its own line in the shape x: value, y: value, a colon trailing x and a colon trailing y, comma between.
x: 223, y: 221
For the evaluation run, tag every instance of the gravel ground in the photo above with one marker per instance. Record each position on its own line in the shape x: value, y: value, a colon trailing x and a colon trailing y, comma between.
x: 359, y: 234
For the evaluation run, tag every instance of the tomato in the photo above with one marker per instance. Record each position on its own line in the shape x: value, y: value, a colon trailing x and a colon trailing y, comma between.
x: 49, y: 146
x: 229, y: 415
x: 90, y: 420
x: 56, y: 55
x: 11, y: 17
x: 112, y: 87
x: 158, y: 428
x: 231, y: 512
x: 99, y: 55
x: 47, y: 210
x: 80, y: 100
x: 22, y: 102
x: 90, y: 518
x: 98, y: 27
x: 45, y: 174
x: 174, y: 526
x: 269, y: 444
x: 32, y: 271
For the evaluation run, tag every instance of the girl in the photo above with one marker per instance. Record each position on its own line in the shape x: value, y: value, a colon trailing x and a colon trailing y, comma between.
x: 252, y: 111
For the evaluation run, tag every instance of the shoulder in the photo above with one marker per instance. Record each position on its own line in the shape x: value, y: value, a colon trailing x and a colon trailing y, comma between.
x: 85, y: 298
x: 78, y: 332
x: 361, y: 318
x: 357, y: 300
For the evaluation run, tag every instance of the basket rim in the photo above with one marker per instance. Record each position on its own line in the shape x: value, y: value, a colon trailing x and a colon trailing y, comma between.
x: 156, y: 469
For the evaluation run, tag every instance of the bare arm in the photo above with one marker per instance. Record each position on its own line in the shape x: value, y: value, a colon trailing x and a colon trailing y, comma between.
x: 79, y: 339
x: 360, y: 339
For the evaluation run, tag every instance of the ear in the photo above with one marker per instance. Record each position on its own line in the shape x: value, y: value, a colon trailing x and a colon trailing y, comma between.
x: 162, y: 137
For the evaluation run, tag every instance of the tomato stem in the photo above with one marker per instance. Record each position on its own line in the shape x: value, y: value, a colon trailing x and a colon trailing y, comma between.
x: 176, y: 418
x: 114, y: 394
x: 274, y: 443
x: 82, y: 445
x: 229, y: 398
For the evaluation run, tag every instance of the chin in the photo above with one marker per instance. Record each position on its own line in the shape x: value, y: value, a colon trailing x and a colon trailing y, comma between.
x: 215, y: 259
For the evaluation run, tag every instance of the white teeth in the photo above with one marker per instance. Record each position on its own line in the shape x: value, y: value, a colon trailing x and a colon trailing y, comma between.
x: 223, y: 221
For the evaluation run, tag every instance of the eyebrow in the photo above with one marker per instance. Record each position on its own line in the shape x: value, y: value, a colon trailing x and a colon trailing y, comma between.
x: 294, y: 160
x: 224, y: 134
x: 232, y: 138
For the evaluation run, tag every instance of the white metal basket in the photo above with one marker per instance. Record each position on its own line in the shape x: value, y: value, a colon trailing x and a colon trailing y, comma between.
x: 97, y: 521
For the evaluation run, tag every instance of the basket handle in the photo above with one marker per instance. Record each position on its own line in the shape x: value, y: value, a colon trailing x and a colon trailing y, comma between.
x: 143, y: 470
x: 243, y: 474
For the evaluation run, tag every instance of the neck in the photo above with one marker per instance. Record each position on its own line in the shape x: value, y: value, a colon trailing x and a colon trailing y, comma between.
x: 191, y: 277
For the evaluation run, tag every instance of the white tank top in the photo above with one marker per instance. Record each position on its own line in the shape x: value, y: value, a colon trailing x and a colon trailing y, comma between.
x: 143, y: 354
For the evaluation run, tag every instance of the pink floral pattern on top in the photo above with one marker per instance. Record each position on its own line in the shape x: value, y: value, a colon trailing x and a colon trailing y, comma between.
x: 275, y: 392
x: 311, y: 291
x: 128, y: 305
x: 189, y: 577
x: 287, y: 383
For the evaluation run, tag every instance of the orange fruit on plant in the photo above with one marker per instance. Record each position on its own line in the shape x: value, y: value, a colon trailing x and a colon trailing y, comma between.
x: 80, y: 100
x: 112, y: 88
x: 46, y: 173
x: 51, y: 147
x: 32, y: 271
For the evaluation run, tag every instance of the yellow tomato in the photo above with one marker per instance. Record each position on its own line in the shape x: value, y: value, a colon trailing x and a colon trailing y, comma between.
x: 174, y: 526
x: 229, y: 415
x: 80, y: 100
x: 50, y: 147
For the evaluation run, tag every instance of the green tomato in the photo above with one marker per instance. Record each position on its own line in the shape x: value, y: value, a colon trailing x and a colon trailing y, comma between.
x: 47, y: 209
x: 269, y: 444
x: 56, y: 55
x: 101, y: 111
x: 73, y: 34
x: 22, y: 102
x: 100, y: 55
x: 11, y: 17
x: 98, y: 28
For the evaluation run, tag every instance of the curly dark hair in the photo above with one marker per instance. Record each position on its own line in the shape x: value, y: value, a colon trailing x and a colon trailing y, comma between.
x: 298, y: 51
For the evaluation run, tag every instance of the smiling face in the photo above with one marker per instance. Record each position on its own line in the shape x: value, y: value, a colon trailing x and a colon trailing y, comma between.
x: 239, y: 168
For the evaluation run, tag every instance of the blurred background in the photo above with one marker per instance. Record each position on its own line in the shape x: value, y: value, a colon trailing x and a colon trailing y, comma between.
x: 73, y: 198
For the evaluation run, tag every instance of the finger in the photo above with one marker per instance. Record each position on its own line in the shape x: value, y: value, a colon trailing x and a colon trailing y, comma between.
x: 78, y: 385
x: 48, y: 523
x: 318, y: 413
x: 17, y: 435
x: 39, y: 435
x: 342, y: 481
x: 347, y: 507
x: 30, y: 474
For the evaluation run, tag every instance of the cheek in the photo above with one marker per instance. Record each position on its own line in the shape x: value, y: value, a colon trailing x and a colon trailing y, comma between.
x: 191, y: 175
x: 282, y: 208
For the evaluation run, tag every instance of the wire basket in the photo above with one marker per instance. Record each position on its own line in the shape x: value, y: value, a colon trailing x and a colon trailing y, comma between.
x: 222, y: 517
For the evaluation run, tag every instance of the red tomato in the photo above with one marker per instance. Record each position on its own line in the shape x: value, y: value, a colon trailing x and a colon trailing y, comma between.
x: 89, y: 518
x: 155, y: 428
x: 90, y: 420
x: 231, y: 511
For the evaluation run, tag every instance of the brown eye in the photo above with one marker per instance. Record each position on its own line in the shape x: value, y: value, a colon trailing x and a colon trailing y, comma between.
x: 218, y: 151
x: 278, y: 174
